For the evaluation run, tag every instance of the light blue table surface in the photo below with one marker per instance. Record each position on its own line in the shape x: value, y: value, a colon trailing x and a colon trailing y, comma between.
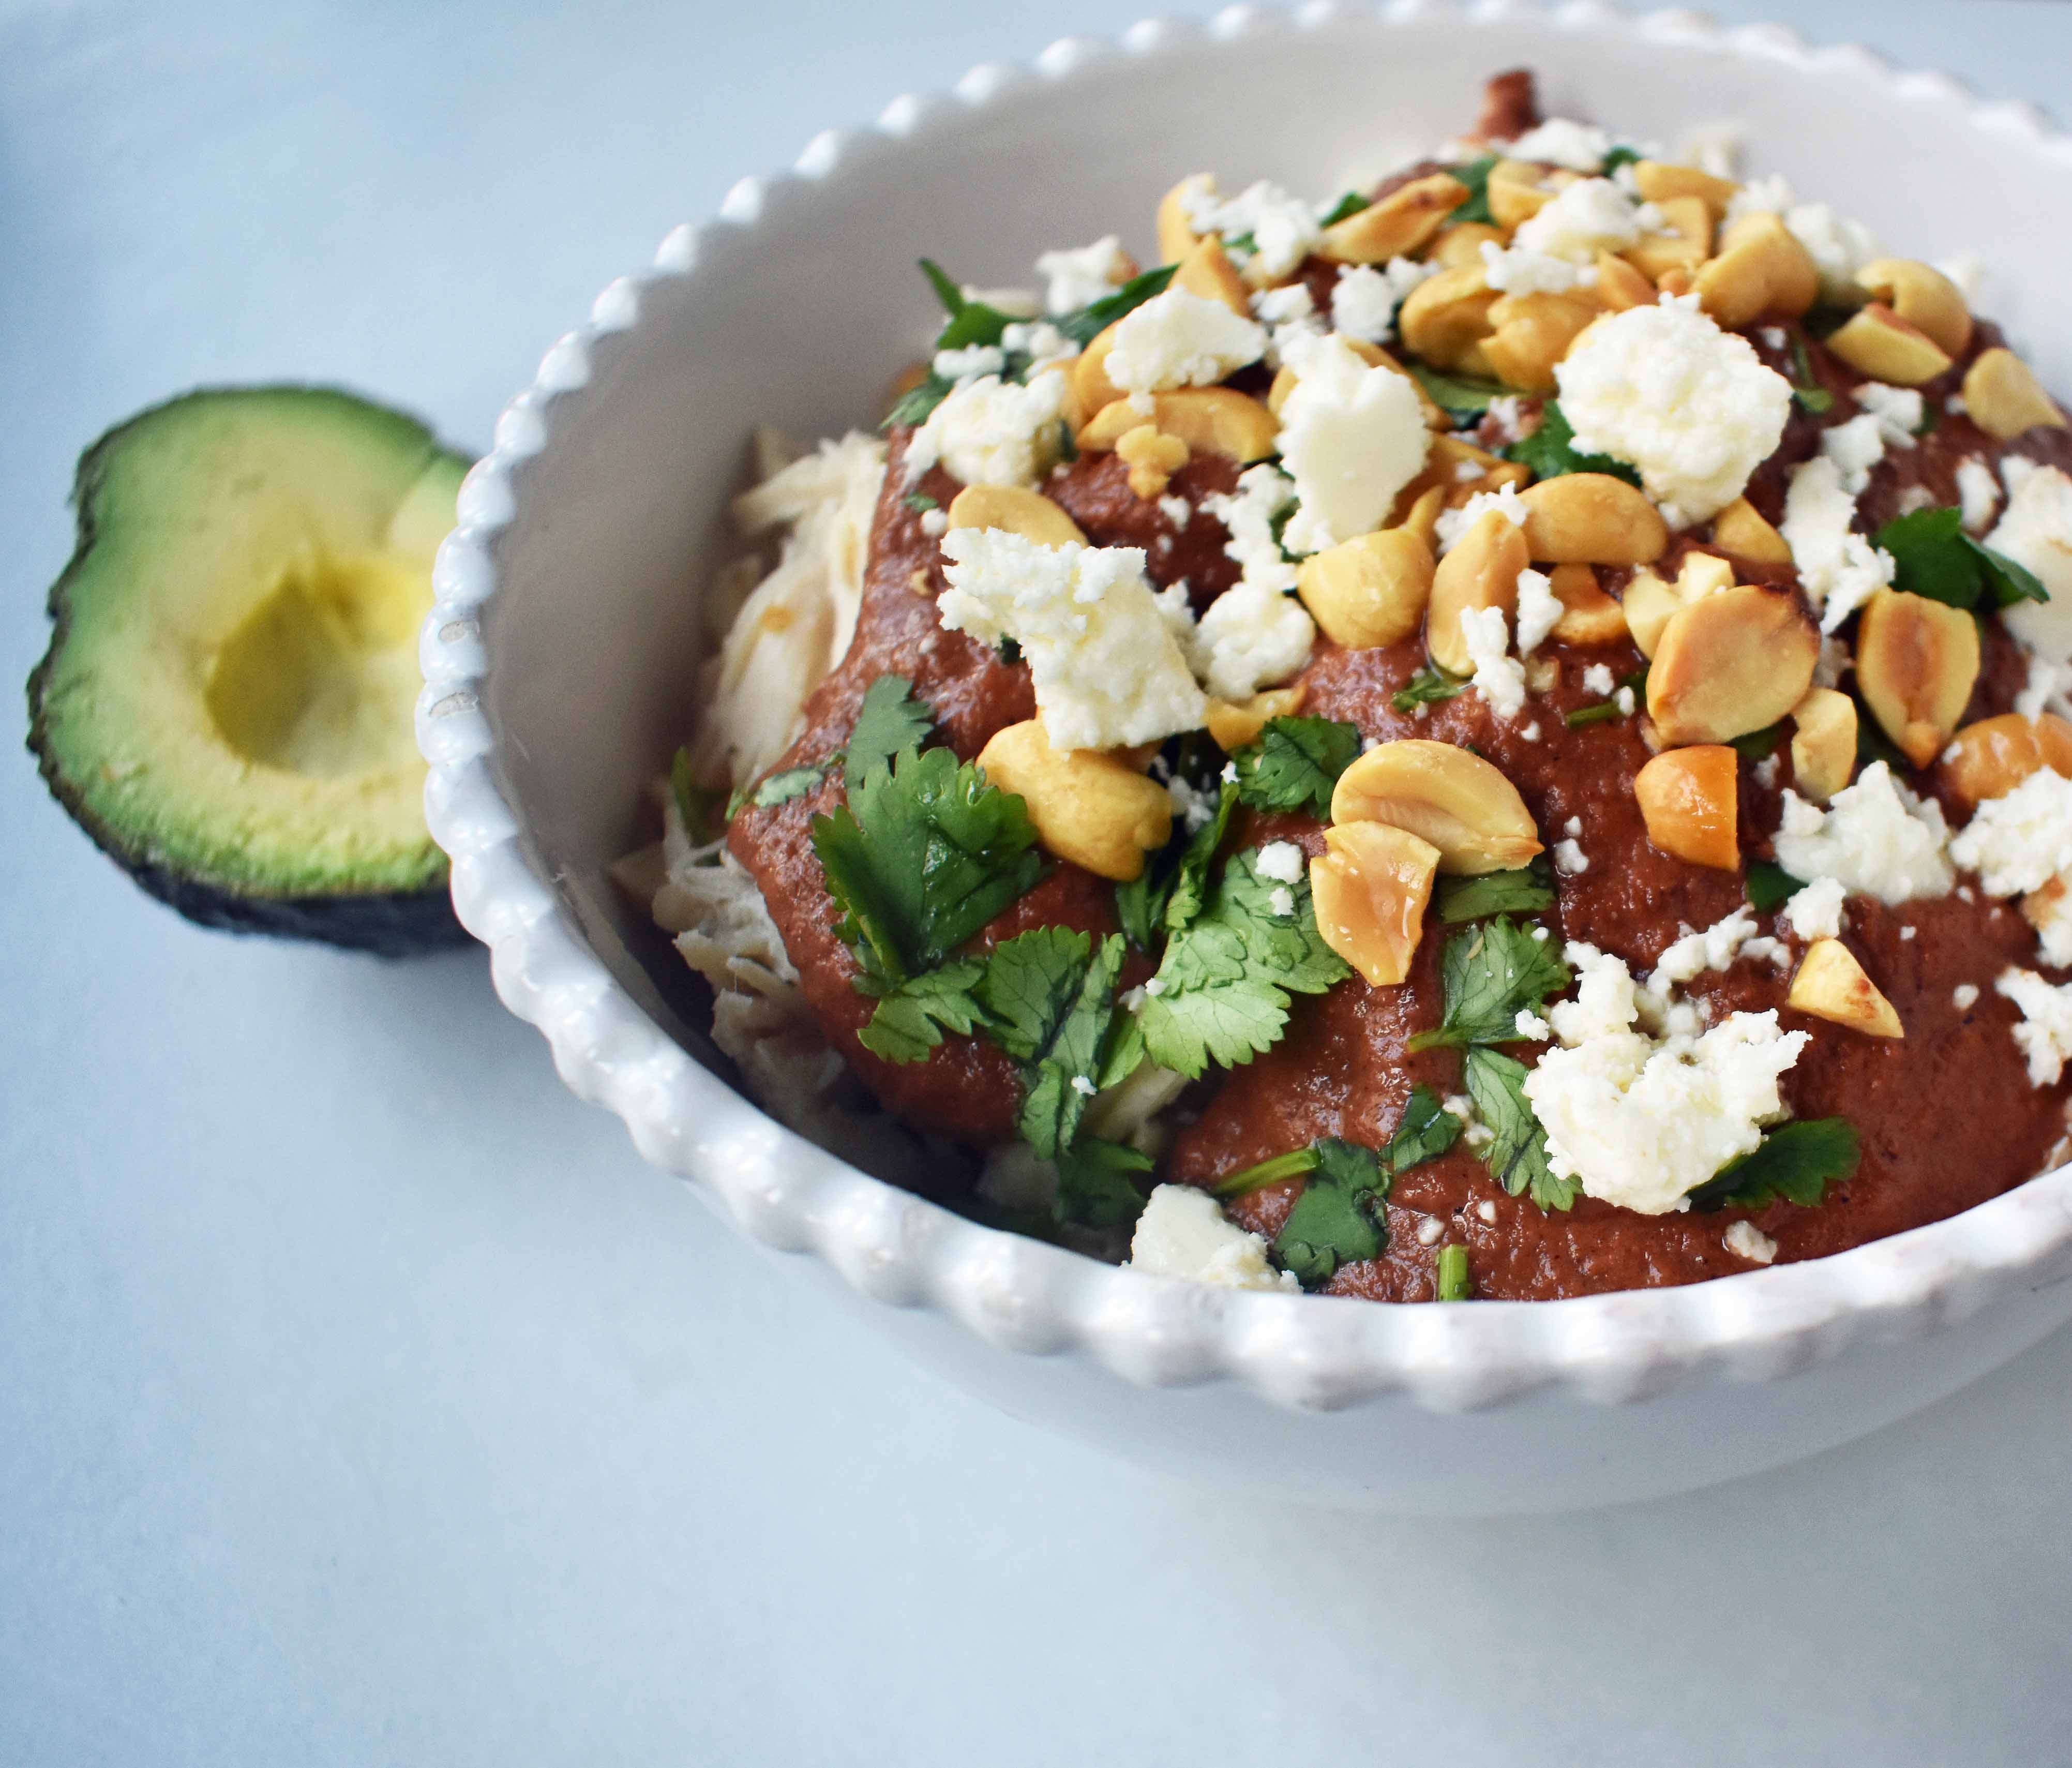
x: 363, y: 1399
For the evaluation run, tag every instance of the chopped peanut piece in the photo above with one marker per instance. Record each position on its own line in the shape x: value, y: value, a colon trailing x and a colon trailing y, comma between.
x: 1451, y: 797
x: 1592, y: 519
x: 1621, y: 286
x: 1739, y: 528
x: 1396, y: 226
x: 1481, y: 572
x: 1823, y: 746
x: 1831, y: 984
x: 1152, y: 458
x: 1660, y: 182
x: 1177, y: 236
x: 1460, y: 244
x: 1589, y: 616
x: 1209, y: 420
x: 1762, y: 272
x: 1235, y: 724
x: 1683, y: 245
x: 1445, y: 318
x: 1730, y: 664
x: 1533, y: 333
x: 1088, y: 807
x: 2004, y: 398
x: 1995, y: 755
x: 1651, y: 599
x: 1877, y: 342
x: 1924, y: 297
x: 1690, y: 798
x: 1916, y: 661
x: 1030, y: 514
x: 1515, y: 193
x: 1092, y: 391
x: 1369, y: 891
x: 1369, y: 591
x: 1422, y: 515
x: 1207, y: 271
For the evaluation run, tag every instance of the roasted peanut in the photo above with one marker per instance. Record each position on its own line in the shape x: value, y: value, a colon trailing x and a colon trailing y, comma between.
x: 1236, y: 723
x: 1445, y: 318
x: 1761, y: 271
x: 1659, y: 182
x: 1690, y: 800
x: 1451, y: 797
x: 1207, y: 271
x: 1730, y: 664
x: 1460, y: 244
x: 1209, y: 420
x: 2004, y: 399
x: 1446, y: 470
x: 1030, y: 514
x: 1092, y: 391
x: 1924, y: 297
x: 1741, y: 529
x: 1481, y: 572
x: 1397, y: 225
x: 1422, y: 515
x: 1916, y: 661
x: 1650, y: 599
x: 1684, y: 243
x: 1995, y: 755
x: 1369, y: 891
x: 1877, y: 342
x: 1831, y: 984
x: 1152, y: 458
x: 1621, y: 286
x: 1589, y: 616
x: 1592, y: 519
x: 1371, y: 590
x: 1177, y: 236
x: 1088, y: 807
x: 1532, y: 334
x: 1823, y: 743
x: 1515, y: 193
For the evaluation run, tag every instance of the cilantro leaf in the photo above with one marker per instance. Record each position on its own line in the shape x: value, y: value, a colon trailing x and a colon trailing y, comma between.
x: 1428, y: 687
x: 1295, y: 764
x: 1346, y: 207
x: 922, y: 857
x: 913, y: 406
x: 694, y: 805
x: 1190, y: 886
x: 1768, y: 885
x: 1475, y: 174
x: 1754, y: 746
x: 1528, y: 890
x: 1083, y: 325
x: 970, y: 321
x: 891, y: 722
x: 1933, y: 556
x: 1096, y: 1185
x: 1620, y: 155
x: 1064, y: 1074
x: 780, y: 788
x: 1451, y: 1276
x: 1030, y: 984
x: 1795, y: 1163
x: 1291, y: 1165
x: 1517, y: 1157
x: 920, y: 503
x: 1338, y: 1219
x: 1805, y: 386
x: 1223, y: 984
x: 1459, y: 396
x: 2009, y: 580
x: 910, y: 1021
x: 1427, y: 1131
x: 1491, y: 973
x: 1550, y: 450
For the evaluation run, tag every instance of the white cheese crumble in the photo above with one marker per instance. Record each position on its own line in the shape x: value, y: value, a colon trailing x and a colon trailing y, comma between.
x: 1515, y: 270
x: 1500, y: 679
x: 1964, y: 997
x: 1283, y: 306
x: 1561, y: 140
x: 1262, y: 491
x: 1453, y: 524
x: 992, y: 432
x: 1181, y: 339
x: 2022, y: 839
x: 2037, y: 693
x: 1815, y: 912
x: 1746, y: 1240
x: 1192, y: 806
x: 1039, y: 341
x: 1175, y: 509
x: 1875, y: 838
x: 1352, y: 437
x: 969, y: 362
x: 1281, y: 900
x: 1364, y: 299
x: 1252, y: 637
x: 2036, y: 531
x: 1889, y: 417
x: 1978, y: 493
x: 1716, y: 948
x: 1569, y: 857
x: 1283, y: 229
x: 1079, y: 276
x: 1429, y: 1231
x: 1838, y: 568
x: 1107, y: 667
x: 1183, y: 1232
x: 1591, y: 216
x: 1665, y: 389
x: 934, y: 522
x: 1539, y: 610
x: 1640, y: 1122
x: 1599, y: 680
x: 2044, y: 1036
x: 1282, y: 861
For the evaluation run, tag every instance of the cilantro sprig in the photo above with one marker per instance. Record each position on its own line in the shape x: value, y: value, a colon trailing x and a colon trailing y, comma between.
x: 1430, y: 685
x: 1517, y: 1155
x: 1295, y: 764
x: 1933, y: 556
x: 1528, y: 890
x: 1491, y: 973
x: 1450, y: 1276
x: 1795, y: 1163
x: 1550, y: 451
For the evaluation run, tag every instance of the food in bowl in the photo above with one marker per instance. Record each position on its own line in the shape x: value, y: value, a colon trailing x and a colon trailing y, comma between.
x: 1496, y: 737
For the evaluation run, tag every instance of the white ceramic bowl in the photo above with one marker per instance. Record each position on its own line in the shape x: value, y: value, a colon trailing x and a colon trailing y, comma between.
x: 558, y: 659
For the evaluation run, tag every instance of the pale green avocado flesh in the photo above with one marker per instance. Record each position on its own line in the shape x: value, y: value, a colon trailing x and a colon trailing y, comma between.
x: 226, y: 703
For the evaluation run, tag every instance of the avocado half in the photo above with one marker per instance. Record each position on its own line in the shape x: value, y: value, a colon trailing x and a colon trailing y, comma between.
x: 227, y: 704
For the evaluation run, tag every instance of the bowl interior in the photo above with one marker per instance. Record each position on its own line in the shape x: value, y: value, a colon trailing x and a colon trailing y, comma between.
x: 802, y: 305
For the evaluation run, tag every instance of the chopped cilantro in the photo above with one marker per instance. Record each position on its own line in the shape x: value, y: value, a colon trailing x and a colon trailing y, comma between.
x: 1795, y: 1163
x: 1517, y: 1157
x: 780, y: 788
x: 1603, y: 711
x: 1475, y: 174
x: 1295, y: 764
x: 1768, y: 885
x: 1338, y: 1219
x: 1934, y: 556
x: 1065, y: 1069
x: 970, y: 321
x: 694, y: 805
x: 920, y: 503
x: 1223, y: 984
x: 1189, y: 889
x: 914, y: 405
x: 1805, y: 386
x: 910, y: 1021
x: 1528, y: 890
x: 890, y: 722
x: 1096, y: 1184
x: 1460, y: 396
x: 1291, y: 1165
x: 1010, y: 652
x: 1087, y: 323
x: 1491, y: 973
x: 1755, y: 745
x: 1618, y: 157
x: 1451, y: 1278
x: 1427, y: 1131
x: 922, y: 857
x: 1346, y: 205
x: 1428, y: 687
x: 1550, y: 450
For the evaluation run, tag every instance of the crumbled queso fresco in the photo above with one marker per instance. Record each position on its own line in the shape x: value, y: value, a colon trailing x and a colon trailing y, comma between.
x: 1498, y: 734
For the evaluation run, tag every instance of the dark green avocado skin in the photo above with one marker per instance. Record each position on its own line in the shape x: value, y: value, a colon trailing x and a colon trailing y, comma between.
x: 395, y: 924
